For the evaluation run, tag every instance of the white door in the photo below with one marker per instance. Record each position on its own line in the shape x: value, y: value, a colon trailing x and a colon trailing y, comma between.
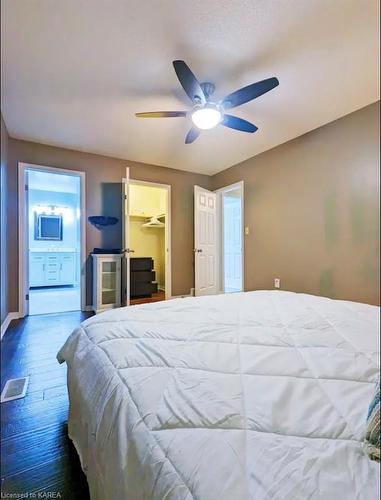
x: 24, y: 247
x: 126, y: 240
x: 205, y: 239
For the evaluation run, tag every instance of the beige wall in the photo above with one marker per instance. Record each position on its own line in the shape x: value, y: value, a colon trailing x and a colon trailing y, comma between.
x: 3, y: 224
x: 103, y: 197
x: 312, y: 207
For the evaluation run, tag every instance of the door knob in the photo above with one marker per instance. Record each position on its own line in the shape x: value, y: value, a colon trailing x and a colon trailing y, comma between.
x: 197, y: 250
x: 129, y: 250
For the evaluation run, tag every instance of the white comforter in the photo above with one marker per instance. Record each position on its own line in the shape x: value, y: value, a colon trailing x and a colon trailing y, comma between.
x: 259, y: 395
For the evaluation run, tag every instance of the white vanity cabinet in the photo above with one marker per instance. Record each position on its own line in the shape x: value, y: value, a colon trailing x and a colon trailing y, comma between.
x: 37, y: 269
x: 106, y: 281
x: 51, y: 268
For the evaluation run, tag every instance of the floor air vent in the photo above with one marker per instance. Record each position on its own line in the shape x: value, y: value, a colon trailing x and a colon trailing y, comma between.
x: 15, y: 388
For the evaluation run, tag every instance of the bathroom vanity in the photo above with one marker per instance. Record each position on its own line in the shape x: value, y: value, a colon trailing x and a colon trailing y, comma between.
x: 52, y: 268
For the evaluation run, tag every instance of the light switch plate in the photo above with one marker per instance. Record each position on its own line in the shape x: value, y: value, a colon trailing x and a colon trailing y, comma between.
x: 246, y: 230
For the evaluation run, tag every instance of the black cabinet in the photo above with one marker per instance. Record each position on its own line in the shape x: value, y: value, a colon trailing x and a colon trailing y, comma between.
x: 142, y: 277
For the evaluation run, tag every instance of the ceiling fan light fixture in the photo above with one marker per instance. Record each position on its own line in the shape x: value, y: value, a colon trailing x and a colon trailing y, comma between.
x: 206, y: 117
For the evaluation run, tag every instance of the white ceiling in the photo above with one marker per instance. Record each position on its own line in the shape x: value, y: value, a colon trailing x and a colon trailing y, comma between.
x: 74, y: 72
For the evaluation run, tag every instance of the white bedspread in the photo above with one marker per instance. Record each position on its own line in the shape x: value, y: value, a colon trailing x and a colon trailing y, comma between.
x: 259, y: 395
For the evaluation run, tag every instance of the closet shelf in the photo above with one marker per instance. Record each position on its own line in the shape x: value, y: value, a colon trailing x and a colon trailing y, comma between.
x: 146, y: 216
x: 139, y: 216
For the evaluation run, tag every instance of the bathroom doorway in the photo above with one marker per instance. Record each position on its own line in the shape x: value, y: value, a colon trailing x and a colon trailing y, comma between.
x: 51, y: 247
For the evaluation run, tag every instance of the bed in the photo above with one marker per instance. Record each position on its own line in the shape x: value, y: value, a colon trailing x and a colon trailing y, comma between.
x: 256, y: 395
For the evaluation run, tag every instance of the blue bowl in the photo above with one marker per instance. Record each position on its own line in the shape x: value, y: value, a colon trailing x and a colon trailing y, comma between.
x: 101, y: 221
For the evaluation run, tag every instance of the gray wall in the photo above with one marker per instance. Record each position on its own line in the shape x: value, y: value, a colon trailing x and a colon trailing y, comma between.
x: 3, y: 225
x: 312, y: 207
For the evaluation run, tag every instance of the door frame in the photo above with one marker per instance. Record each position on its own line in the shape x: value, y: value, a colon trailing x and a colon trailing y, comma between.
x: 220, y: 235
x: 167, y: 233
x: 23, y: 234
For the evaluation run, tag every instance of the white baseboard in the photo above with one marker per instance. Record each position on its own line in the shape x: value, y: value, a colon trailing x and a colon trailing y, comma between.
x: 10, y: 316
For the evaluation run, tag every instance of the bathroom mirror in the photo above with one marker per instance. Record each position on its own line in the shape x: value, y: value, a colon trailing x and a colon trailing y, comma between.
x: 48, y: 227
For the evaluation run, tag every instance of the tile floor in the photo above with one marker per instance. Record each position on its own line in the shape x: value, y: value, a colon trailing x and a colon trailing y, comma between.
x: 54, y: 300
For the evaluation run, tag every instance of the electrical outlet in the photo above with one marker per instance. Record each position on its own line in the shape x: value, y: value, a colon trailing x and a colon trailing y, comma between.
x: 277, y: 282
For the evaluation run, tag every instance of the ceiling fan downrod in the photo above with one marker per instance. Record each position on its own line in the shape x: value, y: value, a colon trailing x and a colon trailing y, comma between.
x: 208, y: 89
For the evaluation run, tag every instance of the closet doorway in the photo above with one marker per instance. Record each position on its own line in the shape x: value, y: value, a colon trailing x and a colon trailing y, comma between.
x: 149, y: 242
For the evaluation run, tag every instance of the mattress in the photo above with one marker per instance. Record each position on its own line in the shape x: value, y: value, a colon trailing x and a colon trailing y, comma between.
x: 256, y: 395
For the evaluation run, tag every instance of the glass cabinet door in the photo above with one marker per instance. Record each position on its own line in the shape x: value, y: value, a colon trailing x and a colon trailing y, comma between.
x: 109, y: 282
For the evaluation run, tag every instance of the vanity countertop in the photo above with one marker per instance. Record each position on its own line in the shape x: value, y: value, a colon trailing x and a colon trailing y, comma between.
x: 52, y: 250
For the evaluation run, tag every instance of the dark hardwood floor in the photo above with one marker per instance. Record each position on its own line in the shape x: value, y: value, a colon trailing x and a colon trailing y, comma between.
x: 36, y: 454
x: 156, y: 297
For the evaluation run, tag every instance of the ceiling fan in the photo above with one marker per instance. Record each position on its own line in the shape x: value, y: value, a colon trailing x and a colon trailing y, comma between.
x: 205, y: 113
